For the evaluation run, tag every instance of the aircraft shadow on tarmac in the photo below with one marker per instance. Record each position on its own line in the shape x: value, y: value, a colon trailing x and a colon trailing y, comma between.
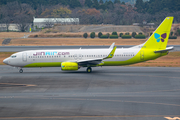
x: 93, y: 72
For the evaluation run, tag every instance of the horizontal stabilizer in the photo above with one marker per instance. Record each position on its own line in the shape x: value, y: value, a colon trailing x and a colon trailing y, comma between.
x: 165, y: 50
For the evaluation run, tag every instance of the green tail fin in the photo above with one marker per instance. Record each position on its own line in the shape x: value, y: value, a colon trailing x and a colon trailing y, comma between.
x: 159, y: 39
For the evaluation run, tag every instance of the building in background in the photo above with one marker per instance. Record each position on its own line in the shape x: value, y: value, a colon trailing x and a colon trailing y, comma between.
x: 14, y: 27
x: 145, y: 24
x: 50, y: 22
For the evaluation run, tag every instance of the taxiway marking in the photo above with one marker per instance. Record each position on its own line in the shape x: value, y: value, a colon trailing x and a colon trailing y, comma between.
x: 27, y: 85
x: 117, y: 116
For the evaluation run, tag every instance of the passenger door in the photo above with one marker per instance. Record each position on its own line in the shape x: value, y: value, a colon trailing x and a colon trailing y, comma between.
x: 142, y: 55
x: 24, y: 57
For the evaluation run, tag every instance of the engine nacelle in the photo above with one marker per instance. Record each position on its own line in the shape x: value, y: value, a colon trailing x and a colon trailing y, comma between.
x: 69, y: 66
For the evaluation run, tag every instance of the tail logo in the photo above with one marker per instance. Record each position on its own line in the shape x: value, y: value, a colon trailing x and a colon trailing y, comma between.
x: 160, y: 37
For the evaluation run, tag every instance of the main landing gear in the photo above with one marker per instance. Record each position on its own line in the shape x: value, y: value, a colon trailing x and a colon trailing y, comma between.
x: 21, y: 71
x: 89, y: 70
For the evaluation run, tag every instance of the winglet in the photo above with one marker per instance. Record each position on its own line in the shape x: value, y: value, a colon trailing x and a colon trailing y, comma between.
x: 111, y: 54
x: 112, y: 46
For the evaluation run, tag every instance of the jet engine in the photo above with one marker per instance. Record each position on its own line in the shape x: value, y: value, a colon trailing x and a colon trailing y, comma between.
x: 66, y: 66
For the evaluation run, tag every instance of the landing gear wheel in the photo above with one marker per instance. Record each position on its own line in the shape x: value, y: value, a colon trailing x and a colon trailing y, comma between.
x: 89, y: 70
x: 21, y: 70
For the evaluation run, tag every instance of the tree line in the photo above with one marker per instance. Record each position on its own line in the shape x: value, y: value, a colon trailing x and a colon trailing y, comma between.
x: 88, y: 11
x: 157, y: 6
x: 151, y: 6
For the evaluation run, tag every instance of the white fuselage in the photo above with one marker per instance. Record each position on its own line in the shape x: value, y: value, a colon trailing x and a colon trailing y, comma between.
x: 24, y: 58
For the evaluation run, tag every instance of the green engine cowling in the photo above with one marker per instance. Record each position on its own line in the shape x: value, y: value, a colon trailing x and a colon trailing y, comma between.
x: 69, y: 66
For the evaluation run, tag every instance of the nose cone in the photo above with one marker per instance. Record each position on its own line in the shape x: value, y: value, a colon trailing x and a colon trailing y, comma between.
x: 5, y: 61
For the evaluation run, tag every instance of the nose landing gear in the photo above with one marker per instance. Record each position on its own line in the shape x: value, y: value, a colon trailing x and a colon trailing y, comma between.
x: 21, y: 71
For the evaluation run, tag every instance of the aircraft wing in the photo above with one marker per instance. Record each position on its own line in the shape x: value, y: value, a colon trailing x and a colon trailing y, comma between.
x: 96, y: 61
x: 165, y: 50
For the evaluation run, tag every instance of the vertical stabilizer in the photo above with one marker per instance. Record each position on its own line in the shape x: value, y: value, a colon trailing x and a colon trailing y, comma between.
x: 158, y: 40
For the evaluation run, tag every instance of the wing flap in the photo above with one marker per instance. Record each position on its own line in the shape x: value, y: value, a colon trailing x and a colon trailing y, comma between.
x: 95, y: 61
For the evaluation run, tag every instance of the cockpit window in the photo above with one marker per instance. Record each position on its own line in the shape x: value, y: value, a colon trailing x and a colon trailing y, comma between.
x: 13, y: 56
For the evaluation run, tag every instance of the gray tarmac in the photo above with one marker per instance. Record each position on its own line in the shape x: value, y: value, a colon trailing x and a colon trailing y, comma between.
x: 108, y: 93
x: 24, y: 48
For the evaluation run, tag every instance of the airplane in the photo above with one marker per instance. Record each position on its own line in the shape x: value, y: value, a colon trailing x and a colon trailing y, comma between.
x: 74, y: 59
